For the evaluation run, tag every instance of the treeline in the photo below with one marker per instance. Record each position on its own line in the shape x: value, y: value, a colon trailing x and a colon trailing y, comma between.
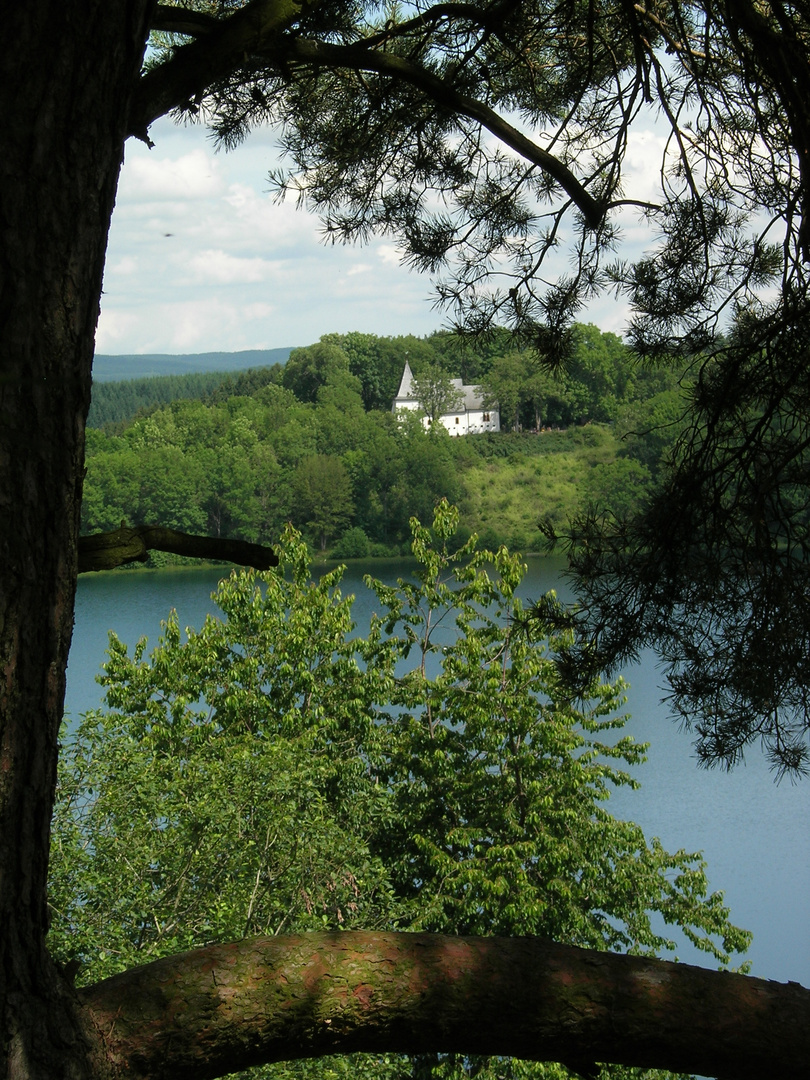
x: 314, y: 442
x: 114, y: 404
x: 377, y: 361
x: 117, y: 402
x: 599, y: 374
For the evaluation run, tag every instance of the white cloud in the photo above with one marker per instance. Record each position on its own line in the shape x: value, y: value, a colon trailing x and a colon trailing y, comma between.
x: 257, y: 311
x: 642, y: 165
x: 264, y: 222
x: 202, y: 258
x: 124, y: 266
x: 195, y: 175
x: 201, y: 325
x: 389, y: 254
x: 116, y: 330
x: 219, y: 268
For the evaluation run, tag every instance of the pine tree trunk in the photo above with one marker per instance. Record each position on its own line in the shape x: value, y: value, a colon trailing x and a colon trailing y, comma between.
x: 67, y: 68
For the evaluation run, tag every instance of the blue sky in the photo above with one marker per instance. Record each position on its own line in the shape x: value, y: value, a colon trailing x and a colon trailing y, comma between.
x: 202, y: 259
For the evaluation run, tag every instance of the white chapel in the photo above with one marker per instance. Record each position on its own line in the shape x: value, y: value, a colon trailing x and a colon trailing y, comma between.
x: 472, y: 416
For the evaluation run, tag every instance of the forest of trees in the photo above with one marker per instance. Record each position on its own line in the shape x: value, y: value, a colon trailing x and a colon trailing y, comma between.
x: 122, y: 399
x: 315, y: 442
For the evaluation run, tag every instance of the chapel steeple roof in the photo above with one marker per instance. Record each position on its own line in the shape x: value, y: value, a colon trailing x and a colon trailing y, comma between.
x: 405, y: 391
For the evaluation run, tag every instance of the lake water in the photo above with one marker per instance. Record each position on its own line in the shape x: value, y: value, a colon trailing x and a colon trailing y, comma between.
x: 753, y: 833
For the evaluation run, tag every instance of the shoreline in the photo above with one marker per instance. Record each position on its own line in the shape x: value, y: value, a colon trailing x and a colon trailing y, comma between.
x: 317, y: 561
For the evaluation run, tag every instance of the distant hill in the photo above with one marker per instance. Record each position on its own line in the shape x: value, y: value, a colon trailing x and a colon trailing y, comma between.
x: 117, y: 368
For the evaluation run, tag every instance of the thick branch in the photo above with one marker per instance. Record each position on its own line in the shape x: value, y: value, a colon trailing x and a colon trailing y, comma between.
x: 178, y: 20
x: 104, y: 551
x: 358, y: 58
x: 194, y: 67
x: 227, y: 1007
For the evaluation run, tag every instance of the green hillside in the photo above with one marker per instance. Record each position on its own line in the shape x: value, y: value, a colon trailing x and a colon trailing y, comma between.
x: 241, y: 454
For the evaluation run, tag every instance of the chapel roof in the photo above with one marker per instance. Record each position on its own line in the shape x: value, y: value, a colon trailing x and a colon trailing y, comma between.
x: 472, y: 399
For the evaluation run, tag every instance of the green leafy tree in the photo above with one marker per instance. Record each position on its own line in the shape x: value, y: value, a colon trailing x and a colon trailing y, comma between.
x: 598, y: 375
x: 311, y: 368
x: 321, y: 496
x: 341, y: 391
x: 112, y: 485
x: 506, y: 386
x: 365, y: 363
x: 596, y: 378
x: 372, y: 456
x: 241, y: 479
x: 175, y: 482
x: 273, y: 772
x: 247, y: 813
x: 498, y: 778
x: 544, y: 396
x: 525, y: 391
x: 437, y: 396
x: 471, y: 357
x: 291, y: 432
x: 378, y: 362
x: 354, y: 544
x: 424, y: 473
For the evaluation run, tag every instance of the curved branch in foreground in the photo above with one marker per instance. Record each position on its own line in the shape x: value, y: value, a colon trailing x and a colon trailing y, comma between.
x: 105, y: 551
x: 226, y: 1007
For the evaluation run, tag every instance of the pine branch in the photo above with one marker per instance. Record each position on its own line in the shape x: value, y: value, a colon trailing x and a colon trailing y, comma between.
x: 196, y: 66
x: 360, y: 58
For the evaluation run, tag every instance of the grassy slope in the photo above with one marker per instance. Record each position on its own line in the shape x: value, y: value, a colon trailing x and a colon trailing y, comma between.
x: 506, y: 496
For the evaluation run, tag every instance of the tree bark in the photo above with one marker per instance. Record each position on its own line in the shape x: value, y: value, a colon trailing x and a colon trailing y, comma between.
x: 227, y: 1007
x: 67, y: 70
x: 105, y: 551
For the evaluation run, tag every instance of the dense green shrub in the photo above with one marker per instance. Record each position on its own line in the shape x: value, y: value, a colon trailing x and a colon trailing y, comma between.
x: 354, y: 544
